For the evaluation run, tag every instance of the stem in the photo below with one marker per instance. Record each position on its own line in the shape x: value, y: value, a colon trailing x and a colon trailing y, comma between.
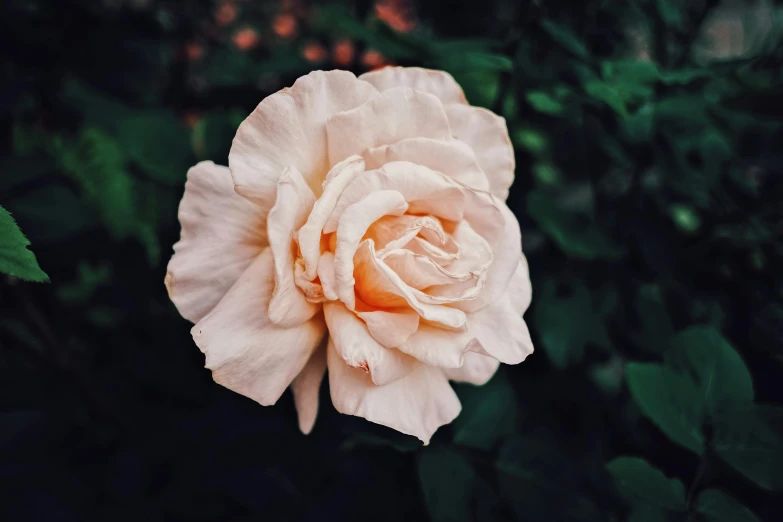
x: 699, y: 480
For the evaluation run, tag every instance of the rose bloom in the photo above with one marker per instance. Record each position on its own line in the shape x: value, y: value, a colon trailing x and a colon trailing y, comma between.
x: 360, y: 227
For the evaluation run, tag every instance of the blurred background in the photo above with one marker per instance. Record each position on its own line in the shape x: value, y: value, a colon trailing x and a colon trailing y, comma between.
x: 649, y: 188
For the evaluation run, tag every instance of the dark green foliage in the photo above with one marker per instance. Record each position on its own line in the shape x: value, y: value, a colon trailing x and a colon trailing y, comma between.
x: 670, y: 400
x: 15, y: 258
x: 750, y: 439
x: 489, y: 413
x: 716, y: 506
x: 640, y: 481
x: 648, y: 189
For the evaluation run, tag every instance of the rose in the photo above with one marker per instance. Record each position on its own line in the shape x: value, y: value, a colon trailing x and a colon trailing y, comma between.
x: 370, y: 212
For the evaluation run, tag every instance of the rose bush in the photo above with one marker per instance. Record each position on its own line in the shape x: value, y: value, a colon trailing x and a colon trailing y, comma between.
x: 360, y: 227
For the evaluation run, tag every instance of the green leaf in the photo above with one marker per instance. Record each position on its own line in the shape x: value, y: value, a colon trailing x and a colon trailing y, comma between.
x: 489, y: 413
x: 15, y: 258
x: 543, y: 102
x: 566, y: 38
x: 477, y: 60
x: 608, y: 94
x: 633, y: 72
x: 447, y: 482
x: 480, y: 86
x: 213, y: 135
x: 718, y: 370
x: 686, y: 218
x: 577, y: 235
x: 533, y: 140
x: 546, y: 173
x: 717, y: 506
x: 671, y: 401
x: 639, y: 126
x: 96, y: 162
x: 566, y: 324
x: 637, y: 479
x: 685, y: 76
x: 159, y: 144
x: 750, y: 440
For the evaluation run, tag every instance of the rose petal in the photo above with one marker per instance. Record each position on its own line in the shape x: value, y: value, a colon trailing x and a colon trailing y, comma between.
x: 520, y: 292
x: 391, y: 329
x: 439, y: 83
x: 501, y: 331
x: 393, y: 115
x: 426, y: 191
x: 476, y: 369
x: 313, y: 291
x: 310, y: 234
x: 245, y: 351
x: 393, y: 233
x: 305, y: 389
x: 475, y: 257
x: 378, y: 285
x: 421, y: 272
x: 487, y: 135
x: 288, y: 129
x: 289, y: 305
x: 354, y: 222
x: 326, y: 275
x: 437, y: 347
x: 506, y: 254
x: 452, y: 158
x: 359, y: 349
x: 221, y: 235
x: 417, y: 404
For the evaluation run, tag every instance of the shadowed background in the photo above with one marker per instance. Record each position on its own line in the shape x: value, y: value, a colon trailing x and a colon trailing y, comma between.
x: 649, y: 190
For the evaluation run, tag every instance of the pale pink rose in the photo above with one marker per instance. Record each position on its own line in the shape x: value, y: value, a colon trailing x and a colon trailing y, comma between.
x: 360, y: 227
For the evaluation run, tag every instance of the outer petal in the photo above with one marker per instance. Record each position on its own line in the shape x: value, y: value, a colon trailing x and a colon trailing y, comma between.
x: 245, y: 351
x: 394, y: 115
x: 476, y: 369
x: 305, y: 389
x: 288, y: 129
x: 288, y: 306
x: 221, y: 235
x: 452, y: 158
x: 417, y: 404
x: 439, y: 83
x: 391, y: 329
x: 359, y: 349
x: 501, y: 331
x: 487, y: 135
x: 437, y: 347
x: 354, y: 223
x: 310, y: 234
x: 520, y: 292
